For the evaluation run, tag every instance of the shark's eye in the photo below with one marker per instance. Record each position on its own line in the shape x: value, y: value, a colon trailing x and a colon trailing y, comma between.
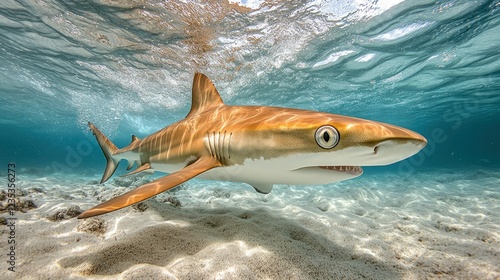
x: 327, y: 137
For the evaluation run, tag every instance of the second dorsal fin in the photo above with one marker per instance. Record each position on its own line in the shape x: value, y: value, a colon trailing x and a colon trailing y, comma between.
x: 134, y: 139
x: 205, y: 94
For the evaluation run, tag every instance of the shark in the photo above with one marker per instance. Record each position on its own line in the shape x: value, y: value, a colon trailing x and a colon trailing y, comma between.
x: 258, y: 145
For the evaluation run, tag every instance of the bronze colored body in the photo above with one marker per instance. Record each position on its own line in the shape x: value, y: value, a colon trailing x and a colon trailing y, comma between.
x: 258, y: 145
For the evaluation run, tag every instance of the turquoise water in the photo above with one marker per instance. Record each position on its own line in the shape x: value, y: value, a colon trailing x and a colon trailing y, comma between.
x: 429, y: 66
x: 127, y: 66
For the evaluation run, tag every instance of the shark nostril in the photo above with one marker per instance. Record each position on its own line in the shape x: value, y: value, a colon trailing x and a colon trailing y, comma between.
x: 375, y: 150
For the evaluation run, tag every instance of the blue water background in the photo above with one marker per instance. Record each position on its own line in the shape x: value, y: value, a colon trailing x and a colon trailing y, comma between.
x: 430, y: 66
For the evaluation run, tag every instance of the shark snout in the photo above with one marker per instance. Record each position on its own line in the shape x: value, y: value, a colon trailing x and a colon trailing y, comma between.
x: 374, y: 143
x: 395, y: 144
x: 394, y: 150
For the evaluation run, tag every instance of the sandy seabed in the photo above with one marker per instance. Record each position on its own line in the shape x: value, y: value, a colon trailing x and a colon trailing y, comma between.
x: 443, y: 224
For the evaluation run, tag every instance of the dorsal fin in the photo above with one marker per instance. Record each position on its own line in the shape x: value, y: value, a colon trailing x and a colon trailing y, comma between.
x: 205, y: 94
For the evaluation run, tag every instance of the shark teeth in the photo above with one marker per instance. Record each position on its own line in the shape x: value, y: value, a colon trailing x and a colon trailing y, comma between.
x: 354, y: 170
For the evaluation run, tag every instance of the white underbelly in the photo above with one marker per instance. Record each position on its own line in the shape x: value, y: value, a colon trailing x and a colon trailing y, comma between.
x: 251, y: 176
x: 261, y: 171
x: 274, y: 172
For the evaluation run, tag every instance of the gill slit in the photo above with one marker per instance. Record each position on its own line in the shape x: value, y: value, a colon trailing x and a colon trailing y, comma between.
x: 218, y: 145
x: 207, y: 144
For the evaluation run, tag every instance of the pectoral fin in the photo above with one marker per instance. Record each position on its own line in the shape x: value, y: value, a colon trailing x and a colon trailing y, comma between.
x: 155, y: 187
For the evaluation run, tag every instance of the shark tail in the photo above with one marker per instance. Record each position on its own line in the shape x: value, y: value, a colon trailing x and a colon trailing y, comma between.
x: 108, y: 149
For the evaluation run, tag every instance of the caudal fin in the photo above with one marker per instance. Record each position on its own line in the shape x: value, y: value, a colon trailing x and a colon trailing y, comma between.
x: 108, y: 149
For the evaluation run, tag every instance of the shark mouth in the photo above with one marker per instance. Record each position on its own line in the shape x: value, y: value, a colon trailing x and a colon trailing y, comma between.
x: 353, y: 170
